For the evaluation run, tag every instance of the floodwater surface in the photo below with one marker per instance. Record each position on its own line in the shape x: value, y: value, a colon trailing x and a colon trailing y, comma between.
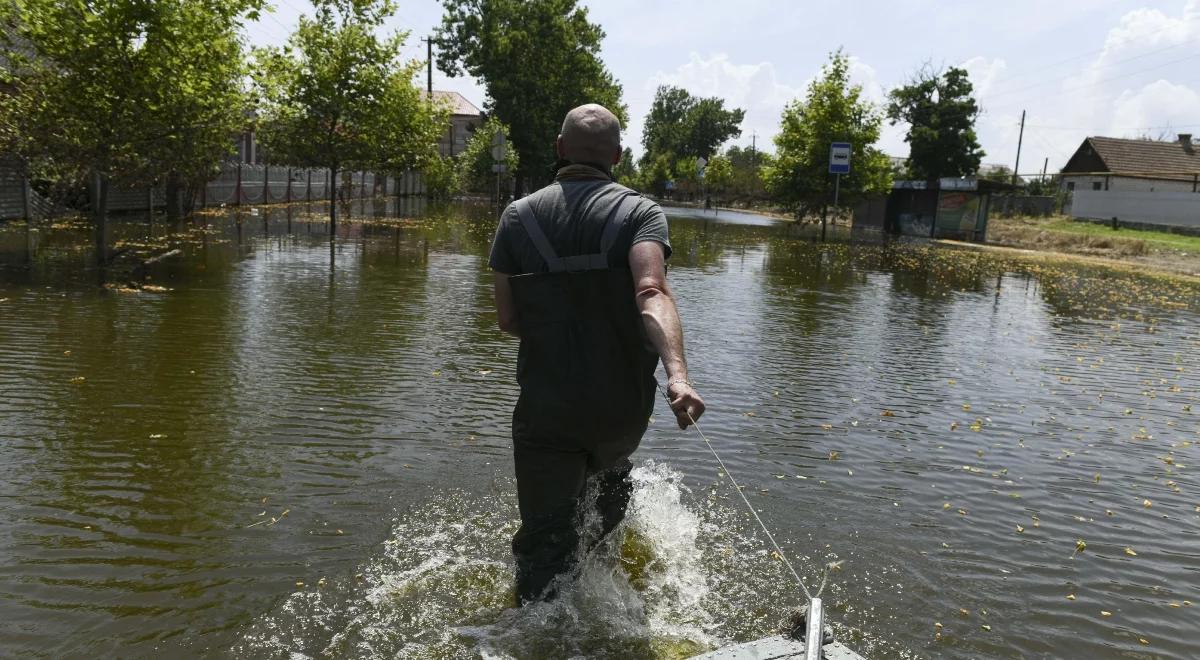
x: 287, y: 447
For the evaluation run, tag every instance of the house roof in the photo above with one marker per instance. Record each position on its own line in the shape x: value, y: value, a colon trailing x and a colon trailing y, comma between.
x: 458, y: 103
x: 1150, y: 158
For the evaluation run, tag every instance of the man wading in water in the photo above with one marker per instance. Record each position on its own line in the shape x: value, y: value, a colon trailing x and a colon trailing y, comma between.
x: 580, y: 277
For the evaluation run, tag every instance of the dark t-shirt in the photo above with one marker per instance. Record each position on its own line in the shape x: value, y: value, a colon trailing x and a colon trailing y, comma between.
x: 572, y: 213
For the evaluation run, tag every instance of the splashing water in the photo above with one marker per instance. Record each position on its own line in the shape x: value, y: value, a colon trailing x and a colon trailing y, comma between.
x: 679, y: 577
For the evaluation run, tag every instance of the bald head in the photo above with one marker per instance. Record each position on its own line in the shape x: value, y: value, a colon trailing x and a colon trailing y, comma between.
x: 590, y: 134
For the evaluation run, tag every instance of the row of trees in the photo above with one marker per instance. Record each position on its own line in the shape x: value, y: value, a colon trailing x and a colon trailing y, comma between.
x: 938, y: 107
x: 136, y: 93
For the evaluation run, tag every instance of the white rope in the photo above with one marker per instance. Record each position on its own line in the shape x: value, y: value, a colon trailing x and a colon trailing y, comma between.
x: 738, y: 488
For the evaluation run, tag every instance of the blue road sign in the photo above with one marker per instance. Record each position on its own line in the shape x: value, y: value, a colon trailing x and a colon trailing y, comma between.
x: 839, y: 158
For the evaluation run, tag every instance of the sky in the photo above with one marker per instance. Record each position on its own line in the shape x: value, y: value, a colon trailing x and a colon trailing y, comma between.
x: 1115, y: 68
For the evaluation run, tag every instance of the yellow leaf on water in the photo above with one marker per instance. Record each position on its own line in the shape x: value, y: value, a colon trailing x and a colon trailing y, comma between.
x: 1147, y: 503
x: 1020, y: 529
x: 1070, y: 596
x: 887, y: 413
x: 1097, y: 477
x: 986, y: 627
x: 966, y: 406
x: 834, y: 454
x: 1105, y: 613
x: 1143, y: 640
x: 1130, y: 552
x: 964, y: 612
x: 1080, y: 546
x: 827, y: 426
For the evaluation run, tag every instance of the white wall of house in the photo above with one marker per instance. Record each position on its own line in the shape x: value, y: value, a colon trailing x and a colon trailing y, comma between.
x: 1121, y: 183
x: 1157, y: 208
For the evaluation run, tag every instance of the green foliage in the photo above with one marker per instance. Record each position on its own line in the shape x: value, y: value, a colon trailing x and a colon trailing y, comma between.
x: 626, y: 171
x: 940, y: 111
x: 833, y: 110
x: 441, y: 177
x: 538, y: 59
x: 474, y: 164
x: 746, y: 166
x: 684, y: 126
x: 719, y: 173
x: 656, y: 173
x: 125, y: 89
x: 339, y: 96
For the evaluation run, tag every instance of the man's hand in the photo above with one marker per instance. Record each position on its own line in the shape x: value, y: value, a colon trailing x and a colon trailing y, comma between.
x: 685, y: 403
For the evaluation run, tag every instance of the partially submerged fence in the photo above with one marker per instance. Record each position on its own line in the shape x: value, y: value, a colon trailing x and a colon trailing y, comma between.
x: 238, y: 184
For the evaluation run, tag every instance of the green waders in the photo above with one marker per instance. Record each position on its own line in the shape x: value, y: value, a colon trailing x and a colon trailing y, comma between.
x: 586, y: 373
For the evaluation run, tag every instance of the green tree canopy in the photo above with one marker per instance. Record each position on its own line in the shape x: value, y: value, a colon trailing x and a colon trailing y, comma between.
x: 832, y: 110
x: 718, y: 175
x: 338, y: 96
x: 940, y: 111
x: 125, y: 90
x: 538, y: 59
x: 687, y: 126
x: 475, y: 161
x: 626, y: 171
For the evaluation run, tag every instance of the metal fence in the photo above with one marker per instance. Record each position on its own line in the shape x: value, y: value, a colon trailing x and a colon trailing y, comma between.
x: 238, y: 184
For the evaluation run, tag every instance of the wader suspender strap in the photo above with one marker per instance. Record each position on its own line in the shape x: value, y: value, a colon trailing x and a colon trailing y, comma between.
x: 598, y: 261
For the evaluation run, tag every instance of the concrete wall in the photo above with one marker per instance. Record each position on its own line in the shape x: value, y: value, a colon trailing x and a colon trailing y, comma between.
x: 1121, y: 183
x: 1171, y: 209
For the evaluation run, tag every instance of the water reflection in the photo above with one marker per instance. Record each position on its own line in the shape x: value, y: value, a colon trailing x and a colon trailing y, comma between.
x: 178, y: 459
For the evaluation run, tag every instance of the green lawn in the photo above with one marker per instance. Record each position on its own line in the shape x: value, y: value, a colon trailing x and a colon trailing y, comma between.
x: 1156, y: 239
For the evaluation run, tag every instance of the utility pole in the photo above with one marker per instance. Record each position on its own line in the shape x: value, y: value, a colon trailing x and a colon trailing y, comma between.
x: 428, y: 65
x: 1020, y: 139
x: 753, y: 162
x: 1045, y: 166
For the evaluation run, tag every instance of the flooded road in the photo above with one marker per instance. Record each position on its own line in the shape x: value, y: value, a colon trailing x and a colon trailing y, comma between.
x: 286, y: 447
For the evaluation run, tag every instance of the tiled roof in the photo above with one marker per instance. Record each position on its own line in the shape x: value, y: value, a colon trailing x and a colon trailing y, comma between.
x: 459, y: 105
x: 1146, y: 157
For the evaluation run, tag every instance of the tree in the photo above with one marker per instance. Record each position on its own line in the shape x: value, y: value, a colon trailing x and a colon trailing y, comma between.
x: 718, y: 174
x: 685, y: 126
x: 746, y: 167
x: 832, y: 110
x: 474, y: 163
x: 338, y: 96
x: 940, y: 111
x: 123, y: 91
x: 538, y: 59
x: 626, y: 171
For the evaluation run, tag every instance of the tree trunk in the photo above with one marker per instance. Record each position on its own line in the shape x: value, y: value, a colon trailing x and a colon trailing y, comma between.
x: 333, y: 175
x: 174, y: 194
x: 100, y: 217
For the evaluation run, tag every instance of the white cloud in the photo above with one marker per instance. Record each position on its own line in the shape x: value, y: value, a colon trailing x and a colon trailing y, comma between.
x: 753, y: 87
x: 1157, y: 107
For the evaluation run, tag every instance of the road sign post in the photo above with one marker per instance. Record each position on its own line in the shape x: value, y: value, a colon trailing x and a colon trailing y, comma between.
x: 839, y: 164
x: 499, y: 156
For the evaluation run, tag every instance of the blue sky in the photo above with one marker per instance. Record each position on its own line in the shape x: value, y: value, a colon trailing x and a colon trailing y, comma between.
x: 1078, y: 67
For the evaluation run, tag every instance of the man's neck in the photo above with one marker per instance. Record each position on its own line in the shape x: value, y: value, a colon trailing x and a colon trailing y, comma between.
x: 577, y: 171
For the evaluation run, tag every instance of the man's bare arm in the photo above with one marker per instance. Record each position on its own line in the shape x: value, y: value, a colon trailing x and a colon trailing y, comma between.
x: 661, y: 320
x: 506, y: 310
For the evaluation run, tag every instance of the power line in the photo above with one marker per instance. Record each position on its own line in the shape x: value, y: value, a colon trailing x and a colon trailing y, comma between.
x: 1101, y: 50
x: 1086, y: 129
x: 1094, y: 83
